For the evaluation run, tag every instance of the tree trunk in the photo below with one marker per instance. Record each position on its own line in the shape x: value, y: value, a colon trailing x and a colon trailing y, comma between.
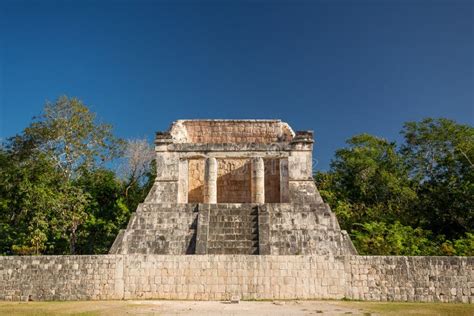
x: 72, y: 241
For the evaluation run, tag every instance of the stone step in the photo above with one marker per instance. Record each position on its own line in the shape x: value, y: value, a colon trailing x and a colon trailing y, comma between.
x: 162, y: 229
x: 167, y: 206
x: 168, y: 238
x: 236, y: 225
x: 232, y: 244
x: 233, y: 251
x: 232, y: 218
x: 241, y: 224
x: 164, y: 211
x: 161, y: 218
x: 233, y: 212
x: 252, y: 237
x: 164, y: 215
x: 233, y: 231
x: 224, y: 206
x: 171, y: 234
x: 160, y: 221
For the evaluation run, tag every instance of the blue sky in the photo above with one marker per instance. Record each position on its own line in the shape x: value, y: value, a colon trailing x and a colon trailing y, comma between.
x: 336, y: 67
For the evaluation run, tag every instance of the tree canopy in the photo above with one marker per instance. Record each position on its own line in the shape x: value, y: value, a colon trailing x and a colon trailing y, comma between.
x: 57, y: 194
x: 416, y: 198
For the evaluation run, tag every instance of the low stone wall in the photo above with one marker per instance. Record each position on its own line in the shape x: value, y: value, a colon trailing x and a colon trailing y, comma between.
x: 417, y: 279
x: 48, y: 278
x: 221, y: 276
x: 218, y: 277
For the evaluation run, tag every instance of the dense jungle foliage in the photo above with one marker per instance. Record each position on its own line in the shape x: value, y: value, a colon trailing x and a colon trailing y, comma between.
x: 67, y: 184
x: 415, y: 198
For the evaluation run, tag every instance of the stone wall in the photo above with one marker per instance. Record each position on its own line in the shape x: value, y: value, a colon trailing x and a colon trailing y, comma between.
x: 272, y: 180
x: 218, y: 277
x: 48, y: 278
x: 222, y: 276
x: 159, y: 229
x: 417, y: 279
x: 305, y: 229
x: 196, y: 181
x: 233, y: 181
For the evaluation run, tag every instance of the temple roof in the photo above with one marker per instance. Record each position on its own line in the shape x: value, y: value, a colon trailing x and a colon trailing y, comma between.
x: 218, y: 131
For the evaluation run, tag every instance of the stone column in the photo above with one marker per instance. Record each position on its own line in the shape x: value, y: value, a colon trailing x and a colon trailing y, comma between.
x: 165, y: 187
x: 258, y: 180
x: 284, y: 184
x: 183, y: 178
x: 210, y: 181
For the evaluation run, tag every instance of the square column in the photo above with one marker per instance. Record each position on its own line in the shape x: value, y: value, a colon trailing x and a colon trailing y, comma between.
x: 183, y: 178
x: 284, y: 183
x: 258, y: 180
x: 165, y: 187
x: 210, y: 181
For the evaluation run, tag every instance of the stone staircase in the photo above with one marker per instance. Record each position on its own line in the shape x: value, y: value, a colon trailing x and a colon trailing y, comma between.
x: 233, y: 229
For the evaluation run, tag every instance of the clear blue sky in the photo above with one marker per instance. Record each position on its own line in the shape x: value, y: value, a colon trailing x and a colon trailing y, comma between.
x: 336, y: 67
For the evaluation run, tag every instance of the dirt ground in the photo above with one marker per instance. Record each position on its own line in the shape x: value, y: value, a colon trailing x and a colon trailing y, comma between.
x: 250, y: 308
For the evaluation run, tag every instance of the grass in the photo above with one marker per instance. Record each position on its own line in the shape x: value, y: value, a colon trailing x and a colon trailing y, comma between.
x: 402, y: 308
x: 82, y: 308
x: 89, y: 308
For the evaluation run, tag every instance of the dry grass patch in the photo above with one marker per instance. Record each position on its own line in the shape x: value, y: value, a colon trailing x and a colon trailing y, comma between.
x: 247, y: 308
x: 403, y: 308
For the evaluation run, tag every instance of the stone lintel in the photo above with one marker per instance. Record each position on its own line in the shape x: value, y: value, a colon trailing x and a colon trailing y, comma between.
x: 232, y: 155
x: 229, y: 147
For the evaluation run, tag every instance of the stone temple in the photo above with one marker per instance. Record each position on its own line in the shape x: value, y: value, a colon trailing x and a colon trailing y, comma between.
x: 233, y: 187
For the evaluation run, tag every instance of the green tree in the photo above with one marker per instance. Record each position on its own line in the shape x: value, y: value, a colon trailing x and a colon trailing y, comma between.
x: 367, y: 181
x: 107, y: 211
x: 415, y: 199
x: 28, y: 200
x: 69, y: 134
x: 380, y: 238
x: 440, y: 155
x: 464, y: 246
x: 72, y: 212
x: 44, y: 206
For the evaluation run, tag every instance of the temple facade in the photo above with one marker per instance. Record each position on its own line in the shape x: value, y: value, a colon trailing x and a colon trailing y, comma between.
x: 233, y: 187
